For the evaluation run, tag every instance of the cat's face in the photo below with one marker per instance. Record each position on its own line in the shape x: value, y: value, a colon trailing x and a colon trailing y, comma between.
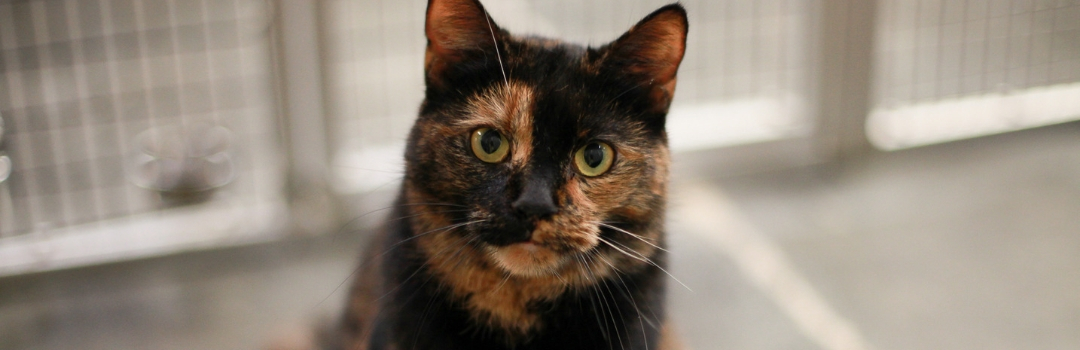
x: 545, y: 157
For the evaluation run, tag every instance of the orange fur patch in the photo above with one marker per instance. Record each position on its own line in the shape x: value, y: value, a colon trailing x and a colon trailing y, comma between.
x: 508, y: 109
x: 527, y: 259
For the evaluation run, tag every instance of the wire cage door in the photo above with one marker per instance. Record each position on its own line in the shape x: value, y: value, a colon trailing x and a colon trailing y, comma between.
x: 134, y: 128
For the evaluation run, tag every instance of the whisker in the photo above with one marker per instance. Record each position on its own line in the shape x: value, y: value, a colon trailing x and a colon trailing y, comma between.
x: 610, y: 312
x: 645, y: 260
x: 506, y: 278
x: 426, y: 203
x: 557, y: 274
x: 580, y: 257
x: 626, y: 288
x: 440, y: 252
x: 346, y: 226
x: 441, y: 229
x: 639, y: 237
x: 625, y: 92
x: 424, y: 316
x: 431, y: 299
x: 407, y: 279
x: 615, y: 319
x: 497, y: 54
x: 457, y: 254
x: 370, y: 169
x: 388, y: 249
x: 635, y: 256
x: 430, y: 212
x: 598, y: 304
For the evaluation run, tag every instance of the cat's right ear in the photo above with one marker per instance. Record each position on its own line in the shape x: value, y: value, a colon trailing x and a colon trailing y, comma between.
x: 456, y: 31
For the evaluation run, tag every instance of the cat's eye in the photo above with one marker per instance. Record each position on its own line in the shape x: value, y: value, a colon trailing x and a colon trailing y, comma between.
x: 489, y: 145
x: 594, y: 159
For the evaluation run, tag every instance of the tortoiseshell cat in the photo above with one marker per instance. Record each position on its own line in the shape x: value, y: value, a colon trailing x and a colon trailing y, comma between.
x: 531, y: 213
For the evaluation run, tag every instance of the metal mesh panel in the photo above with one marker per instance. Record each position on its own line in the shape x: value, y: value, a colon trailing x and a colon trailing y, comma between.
x: 80, y: 80
x: 948, y: 69
x: 745, y: 60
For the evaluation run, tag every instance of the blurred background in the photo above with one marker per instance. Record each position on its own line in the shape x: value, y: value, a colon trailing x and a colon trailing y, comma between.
x: 849, y: 174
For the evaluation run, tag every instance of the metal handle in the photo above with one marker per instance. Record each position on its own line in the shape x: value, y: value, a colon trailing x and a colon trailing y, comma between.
x: 5, y: 161
x: 5, y: 167
x: 178, y: 160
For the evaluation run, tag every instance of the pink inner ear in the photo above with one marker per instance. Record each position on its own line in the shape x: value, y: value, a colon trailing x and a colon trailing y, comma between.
x: 657, y: 45
x: 454, y: 25
x: 653, y: 50
x: 670, y: 45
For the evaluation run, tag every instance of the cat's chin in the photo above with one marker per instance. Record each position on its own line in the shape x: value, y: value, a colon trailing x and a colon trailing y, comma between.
x: 528, y: 259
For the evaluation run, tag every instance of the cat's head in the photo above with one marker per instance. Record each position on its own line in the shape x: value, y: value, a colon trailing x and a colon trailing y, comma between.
x: 543, y: 154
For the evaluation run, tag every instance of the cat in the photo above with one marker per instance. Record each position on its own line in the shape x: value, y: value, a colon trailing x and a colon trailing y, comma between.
x: 531, y: 214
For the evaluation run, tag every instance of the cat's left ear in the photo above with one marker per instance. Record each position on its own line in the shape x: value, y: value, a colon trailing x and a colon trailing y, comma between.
x: 651, y: 51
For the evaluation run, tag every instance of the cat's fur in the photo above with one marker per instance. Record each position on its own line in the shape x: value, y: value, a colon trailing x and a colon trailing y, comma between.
x: 526, y: 253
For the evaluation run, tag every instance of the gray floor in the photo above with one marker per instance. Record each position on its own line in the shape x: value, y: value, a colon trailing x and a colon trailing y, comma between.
x: 970, y: 245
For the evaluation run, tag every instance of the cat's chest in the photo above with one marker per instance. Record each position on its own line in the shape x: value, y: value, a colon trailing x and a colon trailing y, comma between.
x: 487, y: 294
x: 591, y: 319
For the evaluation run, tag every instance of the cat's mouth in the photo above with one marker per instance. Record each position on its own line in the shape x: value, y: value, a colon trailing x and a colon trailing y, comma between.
x: 528, y: 259
x: 547, y: 248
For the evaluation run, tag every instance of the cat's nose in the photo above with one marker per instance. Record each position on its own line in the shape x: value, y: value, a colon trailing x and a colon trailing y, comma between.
x: 536, y: 199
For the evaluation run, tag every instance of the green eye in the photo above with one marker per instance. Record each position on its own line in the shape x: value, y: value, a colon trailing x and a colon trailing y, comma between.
x: 594, y: 159
x: 489, y: 145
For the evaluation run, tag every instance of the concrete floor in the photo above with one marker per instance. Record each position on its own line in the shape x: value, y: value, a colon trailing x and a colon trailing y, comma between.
x: 970, y: 245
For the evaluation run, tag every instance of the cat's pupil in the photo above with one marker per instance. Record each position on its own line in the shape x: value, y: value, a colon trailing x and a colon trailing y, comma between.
x: 490, y: 141
x: 594, y: 155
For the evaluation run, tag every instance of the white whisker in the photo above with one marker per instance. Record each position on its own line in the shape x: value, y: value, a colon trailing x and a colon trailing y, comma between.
x: 639, y: 237
x: 557, y: 274
x: 633, y: 302
x: 441, y: 229
x: 501, y: 284
x: 497, y: 54
x: 390, y: 248
x: 645, y: 260
x: 440, y: 252
x: 614, y: 319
